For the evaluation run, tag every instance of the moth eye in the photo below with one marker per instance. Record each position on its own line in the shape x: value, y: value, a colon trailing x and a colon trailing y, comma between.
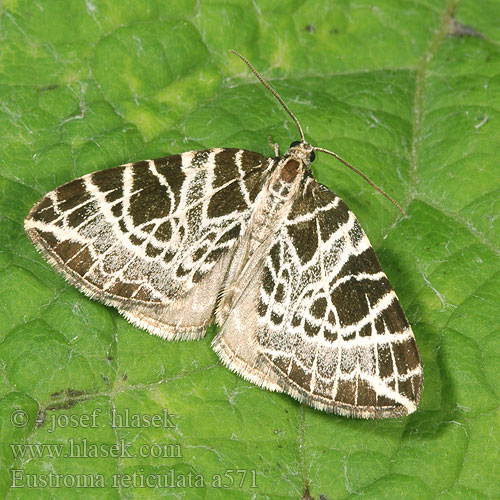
x: 312, y: 157
x: 295, y: 143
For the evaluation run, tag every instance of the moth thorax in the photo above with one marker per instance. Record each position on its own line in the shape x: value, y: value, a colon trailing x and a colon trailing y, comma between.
x: 287, y: 175
x: 290, y: 170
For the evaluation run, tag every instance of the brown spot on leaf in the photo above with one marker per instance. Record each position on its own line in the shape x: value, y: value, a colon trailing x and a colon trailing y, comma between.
x: 41, y: 416
x: 461, y: 30
x: 306, y: 495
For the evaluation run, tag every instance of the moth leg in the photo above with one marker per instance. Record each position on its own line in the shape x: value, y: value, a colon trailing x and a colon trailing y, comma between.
x: 274, y: 146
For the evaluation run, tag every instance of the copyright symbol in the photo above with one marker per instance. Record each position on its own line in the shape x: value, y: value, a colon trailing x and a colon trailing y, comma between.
x: 19, y: 418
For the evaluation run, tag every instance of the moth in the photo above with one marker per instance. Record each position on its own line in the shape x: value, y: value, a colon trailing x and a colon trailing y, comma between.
x: 254, y: 244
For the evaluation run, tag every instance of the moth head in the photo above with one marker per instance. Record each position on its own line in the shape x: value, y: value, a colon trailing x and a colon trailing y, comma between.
x: 302, y: 151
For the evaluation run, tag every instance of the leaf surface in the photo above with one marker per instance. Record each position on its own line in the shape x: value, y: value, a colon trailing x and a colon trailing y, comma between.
x: 409, y: 92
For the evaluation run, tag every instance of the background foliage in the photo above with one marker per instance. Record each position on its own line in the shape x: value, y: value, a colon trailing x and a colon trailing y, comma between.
x: 408, y: 91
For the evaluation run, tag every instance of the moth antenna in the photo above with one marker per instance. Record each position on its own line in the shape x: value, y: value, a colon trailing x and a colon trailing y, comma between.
x: 364, y: 176
x: 275, y: 94
x: 287, y: 109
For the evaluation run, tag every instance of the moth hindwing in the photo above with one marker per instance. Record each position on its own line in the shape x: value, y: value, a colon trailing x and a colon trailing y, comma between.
x: 255, y: 244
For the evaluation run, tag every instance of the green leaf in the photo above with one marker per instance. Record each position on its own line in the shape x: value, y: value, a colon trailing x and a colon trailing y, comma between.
x: 408, y: 92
